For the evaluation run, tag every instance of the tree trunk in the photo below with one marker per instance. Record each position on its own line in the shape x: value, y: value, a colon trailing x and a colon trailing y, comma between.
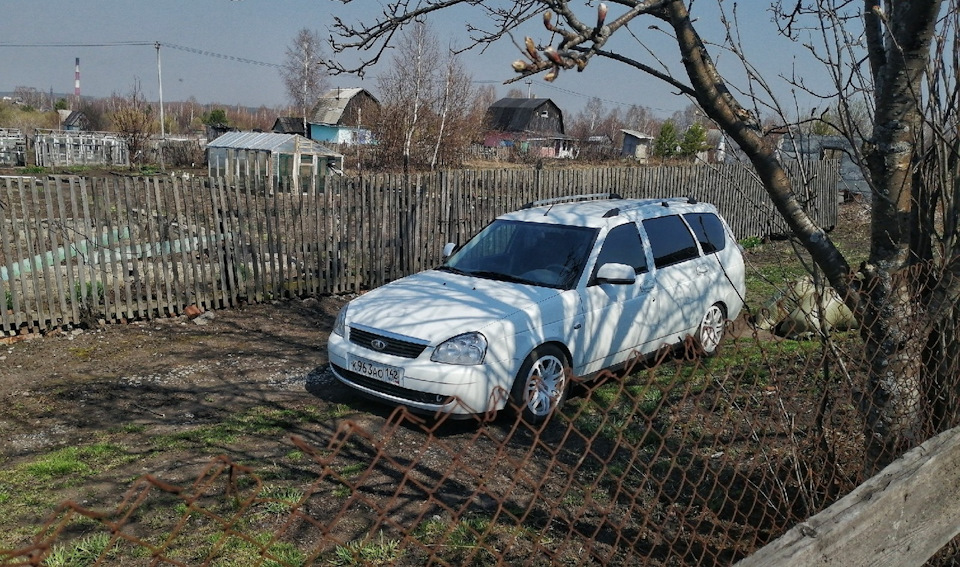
x: 886, y: 300
x: 893, y: 328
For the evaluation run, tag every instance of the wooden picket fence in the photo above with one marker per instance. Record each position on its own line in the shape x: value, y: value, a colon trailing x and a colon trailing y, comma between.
x: 76, y: 250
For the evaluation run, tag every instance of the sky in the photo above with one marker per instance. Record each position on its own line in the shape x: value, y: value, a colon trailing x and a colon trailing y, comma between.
x: 227, y: 51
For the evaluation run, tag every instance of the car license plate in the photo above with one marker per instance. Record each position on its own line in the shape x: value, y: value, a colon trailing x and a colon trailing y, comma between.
x: 382, y: 372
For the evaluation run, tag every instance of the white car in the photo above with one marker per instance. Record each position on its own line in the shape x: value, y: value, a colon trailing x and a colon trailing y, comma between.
x: 558, y: 289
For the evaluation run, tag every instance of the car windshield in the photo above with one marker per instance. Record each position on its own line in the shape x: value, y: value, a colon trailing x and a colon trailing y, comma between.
x: 525, y: 252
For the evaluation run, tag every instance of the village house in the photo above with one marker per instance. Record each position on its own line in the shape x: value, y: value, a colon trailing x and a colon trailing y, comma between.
x: 531, y: 125
x: 344, y: 116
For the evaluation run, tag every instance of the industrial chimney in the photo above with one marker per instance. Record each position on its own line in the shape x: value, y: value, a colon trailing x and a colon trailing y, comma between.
x: 76, y: 84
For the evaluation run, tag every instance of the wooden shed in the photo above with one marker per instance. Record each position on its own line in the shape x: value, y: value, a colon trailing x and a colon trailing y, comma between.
x: 284, y: 159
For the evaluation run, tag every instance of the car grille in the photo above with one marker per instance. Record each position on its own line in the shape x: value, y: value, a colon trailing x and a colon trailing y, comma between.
x: 394, y: 346
x: 390, y: 389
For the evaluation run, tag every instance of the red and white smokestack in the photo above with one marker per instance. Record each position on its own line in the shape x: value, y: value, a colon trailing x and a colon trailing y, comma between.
x: 76, y: 82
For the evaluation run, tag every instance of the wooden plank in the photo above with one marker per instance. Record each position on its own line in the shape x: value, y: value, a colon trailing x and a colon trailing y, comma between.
x: 150, y: 247
x: 79, y: 209
x: 37, y: 317
x: 96, y: 292
x: 180, y: 263
x: 59, y: 314
x: 214, y: 242
x: 239, y: 256
x: 112, y: 252
x: 162, y: 258
x: 302, y: 227
x: 270, y: 227
x: 327, y: 248
x: 222, y: 231
x: 124, y: 245
x: 193, y: 231
x: 256, y: 197
x: 901, y: 516
x: 13, y: 319
x: 139, y: 237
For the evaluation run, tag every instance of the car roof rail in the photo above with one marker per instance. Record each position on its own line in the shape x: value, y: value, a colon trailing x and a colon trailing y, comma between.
x: 572, y: 199
x: 691, y: 200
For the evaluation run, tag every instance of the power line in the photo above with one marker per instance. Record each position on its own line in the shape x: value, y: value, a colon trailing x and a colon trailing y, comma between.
x: 586, y: 96
x: 100, y: 44
x: 147, y: 43
x: 219, y: 55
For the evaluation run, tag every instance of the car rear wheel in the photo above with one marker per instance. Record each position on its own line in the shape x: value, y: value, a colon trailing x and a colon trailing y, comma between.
x: 541, y: 385
x: 711, y: 330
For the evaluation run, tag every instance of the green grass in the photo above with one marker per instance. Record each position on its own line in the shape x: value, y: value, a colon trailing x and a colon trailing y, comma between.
x: 74, y: 462
x: 379, y: 551
x: 82, y: 552
x: 233, y: 551
x: 257, y: 421
x: 279, y: 500
x: 751, y: 242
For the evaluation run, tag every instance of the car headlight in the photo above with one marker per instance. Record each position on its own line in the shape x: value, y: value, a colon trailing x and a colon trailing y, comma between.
x: 340, y: 325
x: 468, y: 348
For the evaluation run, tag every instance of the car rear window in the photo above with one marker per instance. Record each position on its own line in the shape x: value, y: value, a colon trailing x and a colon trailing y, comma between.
x: 670, y: 240
x: 709, y: 231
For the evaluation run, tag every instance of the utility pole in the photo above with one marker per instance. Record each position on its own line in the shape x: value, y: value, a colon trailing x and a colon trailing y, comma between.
x: 163, y: 133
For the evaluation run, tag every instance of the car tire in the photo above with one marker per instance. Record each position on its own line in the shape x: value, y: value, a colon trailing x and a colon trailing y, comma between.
x: 542, y: 384
x: 711, y: 330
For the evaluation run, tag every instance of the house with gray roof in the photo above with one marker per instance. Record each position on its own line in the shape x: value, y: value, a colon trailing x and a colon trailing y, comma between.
x: 344, y: 116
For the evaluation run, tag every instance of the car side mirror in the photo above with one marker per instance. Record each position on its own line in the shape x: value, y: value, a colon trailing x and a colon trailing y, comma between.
x: 448, y: 249
x: 616, y: 274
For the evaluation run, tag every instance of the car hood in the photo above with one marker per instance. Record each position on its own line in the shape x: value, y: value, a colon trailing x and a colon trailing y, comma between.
x: 435, y: 305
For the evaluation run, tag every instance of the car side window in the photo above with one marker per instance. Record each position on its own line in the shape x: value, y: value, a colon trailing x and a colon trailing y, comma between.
x: 709, y: 231
x: 670, y: 240
x: 623, y: 246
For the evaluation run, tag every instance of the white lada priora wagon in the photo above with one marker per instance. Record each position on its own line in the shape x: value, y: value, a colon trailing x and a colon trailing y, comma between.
x: 555, y: 290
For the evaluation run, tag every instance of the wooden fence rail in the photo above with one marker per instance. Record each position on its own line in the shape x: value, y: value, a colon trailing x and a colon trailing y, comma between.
x: 902, y: 516
x: 75, y: 249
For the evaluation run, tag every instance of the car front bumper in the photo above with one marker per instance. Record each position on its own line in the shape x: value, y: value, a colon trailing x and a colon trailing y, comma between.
x: 426, y: 386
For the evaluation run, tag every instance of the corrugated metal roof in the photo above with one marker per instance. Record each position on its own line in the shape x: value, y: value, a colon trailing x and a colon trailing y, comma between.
x: 270, y: 141
x: 637, y: 134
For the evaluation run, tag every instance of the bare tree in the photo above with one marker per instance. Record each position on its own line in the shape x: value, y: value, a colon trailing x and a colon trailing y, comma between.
x: 587, y: 122
x: 30, y: 96
x: 905, y: 295
x: 428, y: 111
x: 408, y: 87
x: 132, y: 118
x: 304, y: 72
x: 460, y: 117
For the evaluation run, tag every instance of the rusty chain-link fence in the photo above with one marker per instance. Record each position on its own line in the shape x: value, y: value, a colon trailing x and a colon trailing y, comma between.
x: 680, y: 460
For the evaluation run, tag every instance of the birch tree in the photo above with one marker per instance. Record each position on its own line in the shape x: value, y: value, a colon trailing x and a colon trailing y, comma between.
x: 304, y: 72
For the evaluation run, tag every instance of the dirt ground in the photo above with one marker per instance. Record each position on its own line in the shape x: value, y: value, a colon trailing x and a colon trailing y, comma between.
x: 66, y: 386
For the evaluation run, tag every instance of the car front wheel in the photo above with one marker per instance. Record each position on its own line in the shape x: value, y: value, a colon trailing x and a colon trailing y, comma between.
x: 711, y: 330
x: 541, y: 385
